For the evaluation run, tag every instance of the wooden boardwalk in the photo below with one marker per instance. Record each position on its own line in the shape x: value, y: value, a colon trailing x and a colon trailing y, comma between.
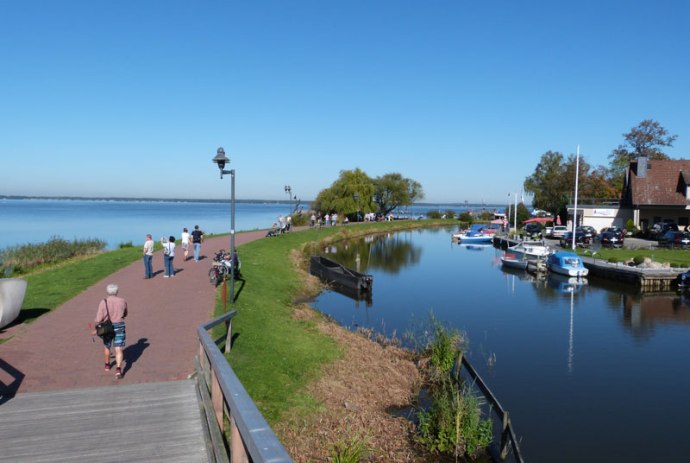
x: 140, y: 422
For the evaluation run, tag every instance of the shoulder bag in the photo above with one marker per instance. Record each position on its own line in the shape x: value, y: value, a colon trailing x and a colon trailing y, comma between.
x: 105, y: 329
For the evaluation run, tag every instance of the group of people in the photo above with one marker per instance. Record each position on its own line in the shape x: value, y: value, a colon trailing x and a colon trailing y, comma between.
x: 195, y: 238
x: 328, y: 220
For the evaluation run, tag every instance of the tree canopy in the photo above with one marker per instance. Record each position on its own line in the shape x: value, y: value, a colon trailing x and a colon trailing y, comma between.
x: 646, y: 139
x: 355, y: 192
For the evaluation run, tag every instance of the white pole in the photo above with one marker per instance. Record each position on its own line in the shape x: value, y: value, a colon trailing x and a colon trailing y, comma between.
x: 577, y: 179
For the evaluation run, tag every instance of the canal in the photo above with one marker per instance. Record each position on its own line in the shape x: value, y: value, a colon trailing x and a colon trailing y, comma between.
x: 592, y: 372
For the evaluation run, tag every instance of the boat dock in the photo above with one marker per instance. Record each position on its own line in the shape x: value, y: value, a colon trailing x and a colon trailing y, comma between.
x: 647, y: 279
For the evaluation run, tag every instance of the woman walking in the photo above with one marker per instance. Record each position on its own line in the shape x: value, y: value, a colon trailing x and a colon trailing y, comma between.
x: 168, y: 255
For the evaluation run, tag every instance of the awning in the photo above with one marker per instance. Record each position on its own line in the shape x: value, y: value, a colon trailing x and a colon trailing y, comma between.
x: 539, y: 219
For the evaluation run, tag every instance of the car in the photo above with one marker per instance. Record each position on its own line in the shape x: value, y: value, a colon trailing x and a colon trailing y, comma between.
x: 558, y: 231
x: 581, y: 239
x: 675, y: 239
x: 589, y: 230
x: 611, y: 239
x: 532, y: 229
x: 617, y: 230
x: 660, y: 228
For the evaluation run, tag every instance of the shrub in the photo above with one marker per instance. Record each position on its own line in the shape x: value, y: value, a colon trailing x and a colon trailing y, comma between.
x: 450, y: 214
x: 466, y: 217
x: 614, y: 260
x: 638, y: 260
x: 433, y: 214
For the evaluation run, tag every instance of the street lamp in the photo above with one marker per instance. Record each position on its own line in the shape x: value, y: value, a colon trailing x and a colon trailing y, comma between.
x: 221, y: 160
x: 288, y: 190
x: 355, y: 197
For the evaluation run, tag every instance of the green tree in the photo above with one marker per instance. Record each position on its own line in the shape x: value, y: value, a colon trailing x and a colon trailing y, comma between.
x: 646, y: 139
x: 393, y: 190
x: 549, y: 183
x: 350, y: 194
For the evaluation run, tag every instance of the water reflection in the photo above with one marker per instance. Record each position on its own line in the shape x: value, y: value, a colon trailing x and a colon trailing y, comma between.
x: 566, y: 356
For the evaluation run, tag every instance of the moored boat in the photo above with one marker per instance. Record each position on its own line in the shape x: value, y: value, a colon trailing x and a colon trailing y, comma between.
x: 477, y: 233
x: 510, y: 261
x: 567, y: 263
x: 333, y: 272
x: 530, y: 250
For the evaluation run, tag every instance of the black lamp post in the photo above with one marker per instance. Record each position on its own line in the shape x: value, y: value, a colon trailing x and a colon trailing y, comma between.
x: 355, y: 196
x: 288, y: 190
x: 221, y: 160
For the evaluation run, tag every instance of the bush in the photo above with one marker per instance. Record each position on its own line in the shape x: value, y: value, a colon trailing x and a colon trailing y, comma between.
x: 466, y: 217
x: 614, y: 259
x: 638, y: 260
x: 433, y: 214
x: 450, y: 214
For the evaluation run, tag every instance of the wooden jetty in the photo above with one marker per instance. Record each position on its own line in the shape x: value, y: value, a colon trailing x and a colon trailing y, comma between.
x: 139, y: 422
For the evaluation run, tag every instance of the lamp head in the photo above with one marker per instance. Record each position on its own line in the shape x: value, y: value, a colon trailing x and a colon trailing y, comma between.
x: 220, y: 158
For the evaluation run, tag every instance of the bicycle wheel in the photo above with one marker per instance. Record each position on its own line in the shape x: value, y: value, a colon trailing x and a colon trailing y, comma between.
x: 213, y: 276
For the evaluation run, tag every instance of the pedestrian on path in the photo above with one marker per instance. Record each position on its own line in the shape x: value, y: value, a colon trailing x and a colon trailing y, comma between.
x: 114, y: 308
x: 185, y: 242
x: 148, y: 257
x: 168, y: 256
x: 197, y: 239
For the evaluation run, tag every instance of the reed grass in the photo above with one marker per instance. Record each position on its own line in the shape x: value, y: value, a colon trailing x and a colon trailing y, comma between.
x: 25, y: 258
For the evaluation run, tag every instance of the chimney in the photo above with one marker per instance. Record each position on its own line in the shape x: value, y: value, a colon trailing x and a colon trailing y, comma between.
x: 642, y: 167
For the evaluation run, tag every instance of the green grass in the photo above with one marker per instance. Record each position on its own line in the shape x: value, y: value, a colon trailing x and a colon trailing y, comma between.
x: 276, y: 355
x: 679, y: 257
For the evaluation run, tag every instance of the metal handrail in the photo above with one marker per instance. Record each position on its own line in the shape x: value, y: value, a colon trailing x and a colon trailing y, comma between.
x: 251, y: 438
x: 508, y: 433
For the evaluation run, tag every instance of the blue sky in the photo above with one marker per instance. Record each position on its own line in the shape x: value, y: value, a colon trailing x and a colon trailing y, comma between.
x: 132, y: 98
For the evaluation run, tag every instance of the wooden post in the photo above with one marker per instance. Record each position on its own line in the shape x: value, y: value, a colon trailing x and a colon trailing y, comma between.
x: 217, y: 400
x: 238, y: 454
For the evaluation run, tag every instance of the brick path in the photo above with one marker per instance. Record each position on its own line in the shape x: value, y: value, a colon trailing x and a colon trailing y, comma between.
x: 57, y: 351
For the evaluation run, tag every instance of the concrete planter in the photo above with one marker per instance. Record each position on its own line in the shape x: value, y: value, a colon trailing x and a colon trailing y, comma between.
x: 12, y: 291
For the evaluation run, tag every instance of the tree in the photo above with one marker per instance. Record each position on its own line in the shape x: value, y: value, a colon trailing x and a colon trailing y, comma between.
x: 646, y: 139
x: 549, y: 183
x: 352, y: 193
x: 394, y: 190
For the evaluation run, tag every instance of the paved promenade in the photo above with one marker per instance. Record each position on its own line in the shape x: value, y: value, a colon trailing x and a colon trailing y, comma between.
x: 57, y: 351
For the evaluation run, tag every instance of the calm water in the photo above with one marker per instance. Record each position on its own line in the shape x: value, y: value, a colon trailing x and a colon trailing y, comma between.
x: 37, y: 220
x: 596, y: 373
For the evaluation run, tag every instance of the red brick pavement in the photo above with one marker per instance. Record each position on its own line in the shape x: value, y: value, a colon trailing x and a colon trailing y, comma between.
x: 57, y: 351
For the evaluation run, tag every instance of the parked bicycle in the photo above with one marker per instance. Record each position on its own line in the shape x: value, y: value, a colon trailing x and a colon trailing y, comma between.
x: 222, y: 265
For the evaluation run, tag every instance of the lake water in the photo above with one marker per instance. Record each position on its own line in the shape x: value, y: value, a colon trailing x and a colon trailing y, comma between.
x: 591, y: 372
x: 120, y: 221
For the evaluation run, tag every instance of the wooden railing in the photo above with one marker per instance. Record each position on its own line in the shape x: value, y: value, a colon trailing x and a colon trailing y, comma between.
x: 508, y: 439
x: 225, y: 402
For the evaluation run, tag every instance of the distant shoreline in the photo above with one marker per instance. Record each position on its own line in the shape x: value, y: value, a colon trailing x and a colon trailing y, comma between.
x: 245, y: 201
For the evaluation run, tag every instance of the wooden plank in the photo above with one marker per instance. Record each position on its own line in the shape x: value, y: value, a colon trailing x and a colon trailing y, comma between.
x: 141, y: 422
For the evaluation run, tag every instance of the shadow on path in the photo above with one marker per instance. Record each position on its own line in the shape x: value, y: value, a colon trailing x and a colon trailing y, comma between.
x: 133, y: 352
x: 7, y: 391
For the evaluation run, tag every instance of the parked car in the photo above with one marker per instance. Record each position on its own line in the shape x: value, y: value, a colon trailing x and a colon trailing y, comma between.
x: 660, y: 228
x: 581, y: 239
x: 558, y: 231
x: 617, y: 230
x: 675, y: 239
x: 611, y: 239
x: 532, y: 230
x: 588, y: 230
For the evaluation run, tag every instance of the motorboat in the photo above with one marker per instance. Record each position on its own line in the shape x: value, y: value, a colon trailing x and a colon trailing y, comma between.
x: 530, y: 250
x: 510, y: 261
x: 333, y: 272
x: 12, y: 291
x: 477, y: 233
x: 567, y: 263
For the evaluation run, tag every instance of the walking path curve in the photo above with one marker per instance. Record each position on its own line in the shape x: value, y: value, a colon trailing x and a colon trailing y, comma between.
x: 57, y: 351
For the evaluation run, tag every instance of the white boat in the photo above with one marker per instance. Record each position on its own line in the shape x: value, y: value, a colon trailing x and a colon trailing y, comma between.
x: 510, y: 261
x: 12, y: 292
x: 567, y: 263
x: 530, y: 250
x: 477, y: 233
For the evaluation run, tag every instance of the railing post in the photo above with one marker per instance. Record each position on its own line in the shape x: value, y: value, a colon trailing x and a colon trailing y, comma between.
x: 217, y: 400
x: 504, y: 436
x: 238, y: 454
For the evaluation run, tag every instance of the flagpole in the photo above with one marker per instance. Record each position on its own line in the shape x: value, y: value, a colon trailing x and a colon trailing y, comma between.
x: 577, y: 179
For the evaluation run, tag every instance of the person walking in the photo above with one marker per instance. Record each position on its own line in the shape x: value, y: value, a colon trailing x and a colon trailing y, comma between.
x: 114, y: 308
x: 185, y: 242
x: 197, y: 239
x: 168, y: 256
x: 148, y: 257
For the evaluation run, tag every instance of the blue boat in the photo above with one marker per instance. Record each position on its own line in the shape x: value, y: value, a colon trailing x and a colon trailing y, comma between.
x: 477, y: 233
x: 567, y: 263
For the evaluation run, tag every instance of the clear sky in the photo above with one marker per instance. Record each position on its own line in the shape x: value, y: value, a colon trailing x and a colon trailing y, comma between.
x: 132, y: 98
